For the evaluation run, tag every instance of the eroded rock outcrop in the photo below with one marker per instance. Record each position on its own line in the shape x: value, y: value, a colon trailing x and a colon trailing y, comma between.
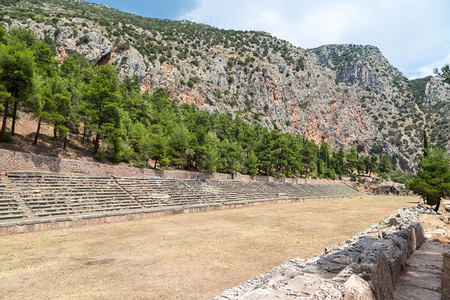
x: 436, y: 102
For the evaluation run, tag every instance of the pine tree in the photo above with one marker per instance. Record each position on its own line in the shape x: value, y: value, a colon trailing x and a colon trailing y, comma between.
x: 210, y: 156
x: 339, y: 162
x: 102, y: 99
x: 351, y: 160
x: 16, y: 77
x: 444, y: 73
x: 179, y: 145
x: 230, y: 156
x: 385, y: 165
x: 76, y: 72
x: 361, y: 166
x: 251, y: 163
x: 432, y: 181
x: 44, y: 63
x: 309, y: 157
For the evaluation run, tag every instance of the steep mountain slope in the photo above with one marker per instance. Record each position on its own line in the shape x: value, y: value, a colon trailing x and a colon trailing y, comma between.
x: 436, y: 105
x: 342, y: 94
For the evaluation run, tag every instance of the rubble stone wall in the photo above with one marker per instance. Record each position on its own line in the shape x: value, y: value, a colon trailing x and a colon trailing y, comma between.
x: 445, y: 289
x: 366, y: 266
x: 21, y: 161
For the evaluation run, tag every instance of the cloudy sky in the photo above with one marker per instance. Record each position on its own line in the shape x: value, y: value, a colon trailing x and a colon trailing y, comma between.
x: 413, y: 34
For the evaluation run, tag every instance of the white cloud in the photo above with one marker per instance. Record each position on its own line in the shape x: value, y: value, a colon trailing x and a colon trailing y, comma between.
x: 410, y: 33
x: 428, y: 69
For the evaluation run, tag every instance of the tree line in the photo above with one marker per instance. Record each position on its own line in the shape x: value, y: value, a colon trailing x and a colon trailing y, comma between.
x: 115, y: 120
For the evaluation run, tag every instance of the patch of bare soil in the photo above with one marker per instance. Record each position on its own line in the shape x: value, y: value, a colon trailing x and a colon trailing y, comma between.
x: 193, y: 256
x: 436, y: 227
x: 47, y: 145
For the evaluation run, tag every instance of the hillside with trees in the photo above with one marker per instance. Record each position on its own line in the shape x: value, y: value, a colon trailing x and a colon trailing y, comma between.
x: 134, y: 88
x: 115, y: 121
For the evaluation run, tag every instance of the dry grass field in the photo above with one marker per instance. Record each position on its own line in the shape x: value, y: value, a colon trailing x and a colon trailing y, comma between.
x: 194, y: 256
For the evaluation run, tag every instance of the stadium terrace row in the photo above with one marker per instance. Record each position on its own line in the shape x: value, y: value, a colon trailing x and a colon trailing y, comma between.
x: 25, y: 195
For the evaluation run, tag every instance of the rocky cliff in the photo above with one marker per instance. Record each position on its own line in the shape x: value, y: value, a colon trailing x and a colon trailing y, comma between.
x: 345, y: 95
x: 436, y: 104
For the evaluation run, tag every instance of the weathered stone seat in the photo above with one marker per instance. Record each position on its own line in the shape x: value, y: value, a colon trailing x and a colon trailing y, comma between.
x: 9, y: 207
x: 48, y: 194
x: 51, y: 194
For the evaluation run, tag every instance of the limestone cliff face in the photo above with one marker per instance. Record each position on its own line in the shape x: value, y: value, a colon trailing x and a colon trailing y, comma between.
x: 341, y: 94
x: 436, y: 104
x: 360, y: 66
x: 385, y: 95
x: 436, y: 92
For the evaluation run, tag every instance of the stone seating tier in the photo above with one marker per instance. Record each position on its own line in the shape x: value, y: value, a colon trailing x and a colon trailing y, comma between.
x: 62, y: 194
x: 9, y: 207
x: 28, y: 194
x: 154, y: 192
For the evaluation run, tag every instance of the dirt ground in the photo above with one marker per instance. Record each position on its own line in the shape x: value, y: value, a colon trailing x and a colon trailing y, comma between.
x: 435, y: 228
x: 194, y: 256
x: 24, y: 137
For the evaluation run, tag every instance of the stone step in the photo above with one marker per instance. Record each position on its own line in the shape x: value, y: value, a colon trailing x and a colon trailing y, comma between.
x: 81, y: 209
x: 72, y: 212
x: 49, y: 193
x: 9, y: 208
x: 10, y: 217
x: 11, y: 213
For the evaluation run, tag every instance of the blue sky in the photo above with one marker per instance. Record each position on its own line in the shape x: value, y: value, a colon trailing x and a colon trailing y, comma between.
x: 414, y: 35
x: 163, y: 9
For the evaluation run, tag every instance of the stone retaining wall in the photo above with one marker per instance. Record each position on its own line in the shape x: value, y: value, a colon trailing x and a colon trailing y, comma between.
x: 15, y: 227
x: 366, y: 266
x: 445, y: 288
x: 21, y: 161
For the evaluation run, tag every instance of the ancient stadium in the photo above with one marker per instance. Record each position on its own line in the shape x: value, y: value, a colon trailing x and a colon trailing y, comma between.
x: 190, y: 235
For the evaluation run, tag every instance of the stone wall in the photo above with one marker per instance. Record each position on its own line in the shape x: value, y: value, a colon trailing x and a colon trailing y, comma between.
x: 445, y: 288
x: 21, y: 161
x: 366, y: 266
x: 33, y: 225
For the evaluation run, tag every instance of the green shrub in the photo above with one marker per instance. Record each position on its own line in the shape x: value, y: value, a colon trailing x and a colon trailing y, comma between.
x: 8, y: 138
x: 100, y: 156
x: 123, y: 46
x: 193, y: 80
x: 103, y: 22
x: 384, y: 176
x: 83, y: 40
x: 162, y: 59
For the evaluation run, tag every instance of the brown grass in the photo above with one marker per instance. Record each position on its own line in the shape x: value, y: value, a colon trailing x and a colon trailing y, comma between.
x: 194, y: 256
x: 436, y: 228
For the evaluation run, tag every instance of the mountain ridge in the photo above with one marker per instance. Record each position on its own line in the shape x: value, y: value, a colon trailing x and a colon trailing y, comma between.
x: 346, y: 95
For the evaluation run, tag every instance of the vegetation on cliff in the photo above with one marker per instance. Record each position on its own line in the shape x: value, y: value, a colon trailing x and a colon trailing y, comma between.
x: 444, y: 73
x: 116, y: 120
x: 344, y: 95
